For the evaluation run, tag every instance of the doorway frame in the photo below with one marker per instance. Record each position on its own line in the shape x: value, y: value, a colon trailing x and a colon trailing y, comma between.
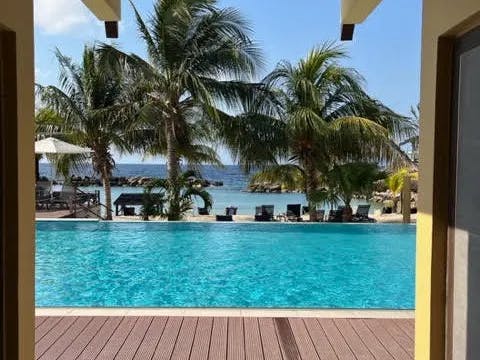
x: 9, y: 201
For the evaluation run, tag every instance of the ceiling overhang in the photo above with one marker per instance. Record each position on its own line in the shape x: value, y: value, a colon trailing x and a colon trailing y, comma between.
x: 108, y: 11
x: 355, y: 12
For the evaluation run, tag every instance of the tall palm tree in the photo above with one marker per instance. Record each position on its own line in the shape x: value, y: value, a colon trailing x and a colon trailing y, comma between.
x: 328, y: 119
x: 87, y: 101
x: 200, y: 59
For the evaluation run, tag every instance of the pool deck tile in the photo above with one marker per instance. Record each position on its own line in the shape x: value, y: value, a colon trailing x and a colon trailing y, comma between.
x: 219, y: 338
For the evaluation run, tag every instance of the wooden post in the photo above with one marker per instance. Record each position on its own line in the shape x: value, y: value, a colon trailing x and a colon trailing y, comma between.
x: 406, y: 200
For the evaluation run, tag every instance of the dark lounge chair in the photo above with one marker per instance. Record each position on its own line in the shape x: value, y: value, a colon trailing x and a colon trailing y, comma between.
x: 362, y: 214
x: 321, y: 215
x: 264, y: 213
x: 203, y: 211
x: 335, y: 216
x: 224, y: 217
x: 293, y: 212
x: 231, y: 210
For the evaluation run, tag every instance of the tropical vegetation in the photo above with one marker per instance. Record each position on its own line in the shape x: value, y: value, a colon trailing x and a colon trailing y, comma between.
x: 201, y: 61
x: 175, y: 197
x: 308, y: 125
x: 85, y: 107
x: 328, y: 121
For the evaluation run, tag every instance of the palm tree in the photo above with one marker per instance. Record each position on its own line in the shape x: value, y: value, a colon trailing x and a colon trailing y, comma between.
x: 200, y: 58
x: 178, y: 197
x: 350, y: 180
x: 87, y: 101
x: 328, y: 119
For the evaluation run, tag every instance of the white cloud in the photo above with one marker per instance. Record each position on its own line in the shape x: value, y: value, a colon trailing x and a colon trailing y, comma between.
x: 61, y: 16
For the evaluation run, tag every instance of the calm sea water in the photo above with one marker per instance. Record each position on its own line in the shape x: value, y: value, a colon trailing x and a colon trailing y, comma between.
x: 98, y: 264
x: 231, y: 194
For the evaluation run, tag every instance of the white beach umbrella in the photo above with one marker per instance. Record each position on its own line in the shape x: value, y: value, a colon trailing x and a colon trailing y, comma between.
x: 55, y: 146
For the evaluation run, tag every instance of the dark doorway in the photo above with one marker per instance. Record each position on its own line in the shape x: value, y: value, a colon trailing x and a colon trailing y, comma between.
x: 464, y: 238
x: 8, y: 197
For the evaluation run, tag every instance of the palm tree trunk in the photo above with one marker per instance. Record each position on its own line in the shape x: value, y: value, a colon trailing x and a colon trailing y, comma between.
x: 108, y: 192
x: 406, y: 198
x: 173, y: 171
x: 311, y: 186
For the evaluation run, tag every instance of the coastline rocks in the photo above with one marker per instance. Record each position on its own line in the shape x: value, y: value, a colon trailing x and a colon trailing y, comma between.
x: 134, y: 181
x: 266, y: 187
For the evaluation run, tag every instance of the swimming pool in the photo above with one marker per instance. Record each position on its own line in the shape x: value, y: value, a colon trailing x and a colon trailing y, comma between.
x: 99, y: 264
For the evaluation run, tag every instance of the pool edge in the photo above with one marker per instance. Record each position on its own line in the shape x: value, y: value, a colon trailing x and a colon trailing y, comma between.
x: 233, y: 312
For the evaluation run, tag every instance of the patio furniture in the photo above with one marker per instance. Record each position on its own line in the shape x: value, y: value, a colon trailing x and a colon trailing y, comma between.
x: 321, y: 215
x: 43, y: 194
x: 335, y: 216
x: 224, y: 218
x: 362, y: 214
x: 134, y: 199
x: 203, y: 211
x: 264, y: 213
x: 293, y: 212
x: 231, y: 210
x: 65, y: 198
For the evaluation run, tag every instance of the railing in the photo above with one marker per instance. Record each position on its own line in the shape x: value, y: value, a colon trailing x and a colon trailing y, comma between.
x: 77, y: 202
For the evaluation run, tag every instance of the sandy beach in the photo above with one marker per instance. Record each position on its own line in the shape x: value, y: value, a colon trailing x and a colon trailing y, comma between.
x: 380, y: 218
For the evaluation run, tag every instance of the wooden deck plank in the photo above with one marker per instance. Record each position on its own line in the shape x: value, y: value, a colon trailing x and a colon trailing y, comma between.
x: 201, y: 343
x: 66, y: 338
x: 336, y: 339
x: 407, y: 327
x: 369, y: 339
x: 45, y: 327
x: 152, y: 337
x: 236, y: 339
x: 286, y: 339
x: 253, y: 342
x: 356, y: 344
x: 406, y: 342
x: 218, y: 342
x: 320, y: 341
x: 302, y: 338
x: 271, y: 347
x: 110, y: 350
x: 39, y: 320
x: 134, y: 339
x: 183, y: 346
x: 100, y: 339
x: 51, y: 337
x: 77, y: 346
x: 387, y: 340
x: 169, y: 338
x: 147, y: 338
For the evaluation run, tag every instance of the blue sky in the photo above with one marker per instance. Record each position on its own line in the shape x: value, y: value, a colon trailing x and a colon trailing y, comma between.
x: 385, y: 50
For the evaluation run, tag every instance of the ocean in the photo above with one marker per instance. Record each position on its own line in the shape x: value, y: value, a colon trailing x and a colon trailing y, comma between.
x: 232, y: 193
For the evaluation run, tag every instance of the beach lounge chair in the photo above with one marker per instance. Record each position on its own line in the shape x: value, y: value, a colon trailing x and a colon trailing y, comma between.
x: 65, y: 198
x: 264, y: 213
x: 293, y: 212
x: 203, y: 211
x: 231, y: 210
x: 224, y: 218
x: 335, y: 215
x: 362, y: 214
x: 43, y: 194
x: 321, y: 215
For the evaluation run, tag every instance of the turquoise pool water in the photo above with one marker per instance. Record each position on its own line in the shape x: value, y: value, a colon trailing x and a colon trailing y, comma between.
x: 97, y: 264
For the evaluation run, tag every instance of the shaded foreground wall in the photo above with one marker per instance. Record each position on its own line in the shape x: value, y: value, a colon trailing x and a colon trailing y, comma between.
x: 17, y: 17
x: 443, y: 21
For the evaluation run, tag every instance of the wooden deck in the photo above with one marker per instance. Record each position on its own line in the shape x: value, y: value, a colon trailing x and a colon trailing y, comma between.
x: 139, y: 338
